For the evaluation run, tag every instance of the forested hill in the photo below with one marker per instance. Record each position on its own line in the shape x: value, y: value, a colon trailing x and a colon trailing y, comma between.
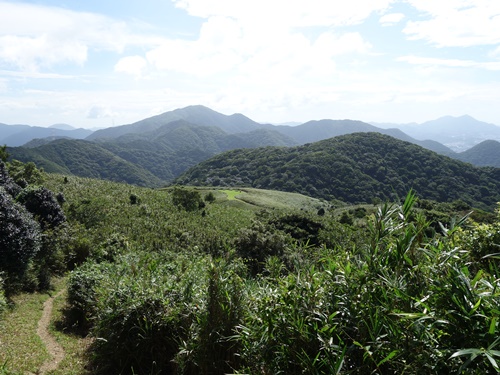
x: 354, y: 168
x: 85, y: 159
x: 486, y: 153
x: 148, y: 159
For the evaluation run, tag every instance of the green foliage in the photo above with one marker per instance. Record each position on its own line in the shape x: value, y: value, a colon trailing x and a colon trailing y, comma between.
x: 42, y: 203
x: 210, y: 197
x: 355, y: 168
x: 257, y: 243
x: 20, y: 239
x: 7, y: 182
x: 4, y: 155
x: 25, y: 173
x: 169, y: 291
x: 190, y: 200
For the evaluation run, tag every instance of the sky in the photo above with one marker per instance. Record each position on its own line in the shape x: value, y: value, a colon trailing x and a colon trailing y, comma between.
x: 100, y: 63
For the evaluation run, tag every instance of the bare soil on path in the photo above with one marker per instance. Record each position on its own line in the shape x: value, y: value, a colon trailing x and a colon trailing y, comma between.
x: 53, y: 348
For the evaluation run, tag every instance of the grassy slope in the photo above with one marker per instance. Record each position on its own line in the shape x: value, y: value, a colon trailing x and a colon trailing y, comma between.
x: 21, y: 350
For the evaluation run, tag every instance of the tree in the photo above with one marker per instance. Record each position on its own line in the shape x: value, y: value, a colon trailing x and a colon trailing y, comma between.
x: 43, y: 205
x: 7, y: 182
x: 4, y: 155
x: 20, y: 238
x: 190, y: 200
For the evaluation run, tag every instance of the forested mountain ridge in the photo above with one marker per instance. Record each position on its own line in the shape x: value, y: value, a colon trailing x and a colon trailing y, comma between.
x: 166, y: 145
x: 196, y: 114
x: 354, y: 168
x: 150, y: 158
x: 310, y: 131
x: 85, y: 159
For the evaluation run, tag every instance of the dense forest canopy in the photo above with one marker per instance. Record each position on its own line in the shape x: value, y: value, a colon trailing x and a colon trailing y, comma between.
x: 355, y: 168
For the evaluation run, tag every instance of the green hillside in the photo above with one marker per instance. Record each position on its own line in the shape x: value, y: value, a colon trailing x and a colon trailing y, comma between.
x: 486, y: 153
x: 188, y: 280
x: 85, y: 159
x: 354, y: 168
x: 150, y: 158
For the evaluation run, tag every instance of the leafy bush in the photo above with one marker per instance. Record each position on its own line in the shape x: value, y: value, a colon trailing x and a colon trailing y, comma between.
x: 7, y: 182
x: 20, y: 239
x: 144, y: 309
x: 25, y: 173
x: 42, y: 203
x: 210, y: 197
x: 190, y: 200
x: 257, y: 243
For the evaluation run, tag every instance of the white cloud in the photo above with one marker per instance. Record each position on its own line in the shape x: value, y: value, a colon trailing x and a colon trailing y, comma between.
x: 266, y: 40
x: 391, y: 19
x: 287, y: 13
x: 454, y: 63
x: 34, y: 36
x: 97, y: 112
x: 134, y: 65
x: 456, y: 23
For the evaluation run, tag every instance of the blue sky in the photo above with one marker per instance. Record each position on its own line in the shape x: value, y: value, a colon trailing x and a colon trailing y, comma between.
x: 109, y: 62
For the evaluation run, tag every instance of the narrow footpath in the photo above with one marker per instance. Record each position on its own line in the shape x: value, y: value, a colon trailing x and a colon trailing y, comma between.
x: 55, y: 350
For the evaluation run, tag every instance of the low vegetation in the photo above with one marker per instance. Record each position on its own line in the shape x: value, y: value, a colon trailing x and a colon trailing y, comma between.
x: 185, y: 281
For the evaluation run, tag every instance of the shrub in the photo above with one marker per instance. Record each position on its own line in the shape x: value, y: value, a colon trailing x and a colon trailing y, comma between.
x: 7, y: 182
x: 145, y: 307
x: 20, y: 239
x: 190, y: 200
x: 43, y: 205
x: 257, y: 243
x: 210, y: 197
x: 25, y: 173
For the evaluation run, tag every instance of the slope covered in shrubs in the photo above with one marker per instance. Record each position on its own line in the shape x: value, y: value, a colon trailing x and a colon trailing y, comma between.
x: 217, y: 288
x: 184, y: 281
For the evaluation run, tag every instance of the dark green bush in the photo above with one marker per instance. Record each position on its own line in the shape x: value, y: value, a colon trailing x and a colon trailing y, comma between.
x: 190, y: 200
x: 42, y: 203
x: 259, y: 242
x: 7, y: 182
x: 20, y: 239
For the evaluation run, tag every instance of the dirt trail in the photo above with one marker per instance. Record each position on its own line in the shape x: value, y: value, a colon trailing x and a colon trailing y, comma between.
x: 55, y: 350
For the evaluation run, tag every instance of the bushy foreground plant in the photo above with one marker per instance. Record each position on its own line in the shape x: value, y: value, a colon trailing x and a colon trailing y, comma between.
x: 156, y: 313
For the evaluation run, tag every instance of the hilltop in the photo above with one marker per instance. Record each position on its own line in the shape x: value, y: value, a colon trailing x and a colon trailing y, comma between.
x: 353, y: 168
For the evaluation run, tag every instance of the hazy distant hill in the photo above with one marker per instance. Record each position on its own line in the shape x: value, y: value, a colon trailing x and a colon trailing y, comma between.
x: 457, y: 133
x: 18, y: 135
x: 196, y: 114
x: 486, y: 153
x: 42, y: 141
x: 62, y: 127
x: 311, y: 131
x: 353, y: 168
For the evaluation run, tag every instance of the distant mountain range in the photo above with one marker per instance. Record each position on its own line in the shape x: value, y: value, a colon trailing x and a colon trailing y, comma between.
x: 457, y: 133
x: 166, y: 145
x: 18, y: 135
